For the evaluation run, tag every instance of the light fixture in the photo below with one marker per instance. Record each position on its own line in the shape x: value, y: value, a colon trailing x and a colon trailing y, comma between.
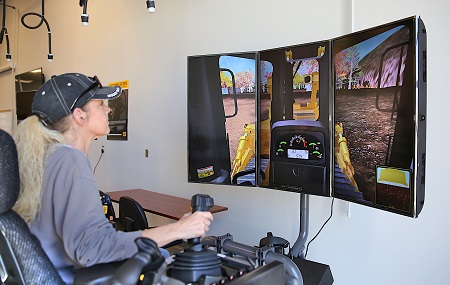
x: 151, y: 6
x: 84, y: 19
x: 84, y: 16
x: 43, y: 20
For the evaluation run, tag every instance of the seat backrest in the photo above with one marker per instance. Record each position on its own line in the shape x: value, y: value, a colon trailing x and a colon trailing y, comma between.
x: 22, y: 259
x: 131, y: 215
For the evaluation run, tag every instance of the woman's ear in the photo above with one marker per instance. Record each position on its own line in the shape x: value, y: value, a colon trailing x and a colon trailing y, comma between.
x: 79, y: 116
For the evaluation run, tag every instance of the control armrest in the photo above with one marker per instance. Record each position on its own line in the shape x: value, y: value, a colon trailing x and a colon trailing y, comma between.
x: 97, y: 274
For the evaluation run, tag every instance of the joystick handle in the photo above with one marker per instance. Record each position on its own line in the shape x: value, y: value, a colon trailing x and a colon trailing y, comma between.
x: 202, y: 203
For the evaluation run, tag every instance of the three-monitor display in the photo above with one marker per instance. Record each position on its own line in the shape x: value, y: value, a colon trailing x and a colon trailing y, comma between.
x: 343, y: 117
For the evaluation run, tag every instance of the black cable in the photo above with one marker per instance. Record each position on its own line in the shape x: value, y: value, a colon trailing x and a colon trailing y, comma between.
x: 43, y: 20
x: 1, y: 1
x: 8, y: 51
x: 101, y: 154
x: 2, y: 32
x: 331, y: 214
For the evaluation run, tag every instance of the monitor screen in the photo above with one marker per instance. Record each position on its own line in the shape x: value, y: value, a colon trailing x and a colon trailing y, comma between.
x: 23, y: 104
x: 379, y: 116
x: 294, y: 133
x: 221, y: 119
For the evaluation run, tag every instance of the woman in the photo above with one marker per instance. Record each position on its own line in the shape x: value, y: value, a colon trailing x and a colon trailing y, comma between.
x: 59, y: 197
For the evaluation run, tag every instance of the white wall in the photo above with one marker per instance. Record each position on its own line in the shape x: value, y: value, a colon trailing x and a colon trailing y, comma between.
x: 124, y: 41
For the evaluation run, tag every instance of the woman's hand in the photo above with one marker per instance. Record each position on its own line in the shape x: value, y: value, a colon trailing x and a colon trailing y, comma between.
x: 194, y: 225
x: 189, y: 226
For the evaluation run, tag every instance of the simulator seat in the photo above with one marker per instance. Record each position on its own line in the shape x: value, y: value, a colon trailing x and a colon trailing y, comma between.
x: 23, y: 261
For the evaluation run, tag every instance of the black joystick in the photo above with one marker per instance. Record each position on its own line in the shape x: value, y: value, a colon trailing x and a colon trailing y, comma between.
x: 189, y: 266
x: 200, y: 203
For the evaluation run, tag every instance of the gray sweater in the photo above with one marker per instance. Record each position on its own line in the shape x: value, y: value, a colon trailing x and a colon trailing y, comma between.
x: 71, y: 224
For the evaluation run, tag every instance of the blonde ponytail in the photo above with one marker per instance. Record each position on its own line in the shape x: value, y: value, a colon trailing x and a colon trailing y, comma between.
x: 33, y: 142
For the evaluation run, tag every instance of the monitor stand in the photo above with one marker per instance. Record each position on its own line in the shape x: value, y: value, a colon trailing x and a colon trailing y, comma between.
x: 313, y: 273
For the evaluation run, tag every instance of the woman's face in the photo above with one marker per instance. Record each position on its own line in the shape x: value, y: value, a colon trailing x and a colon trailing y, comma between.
x: 97, y: 117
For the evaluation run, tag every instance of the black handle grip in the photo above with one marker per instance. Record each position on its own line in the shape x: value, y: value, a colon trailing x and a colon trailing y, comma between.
x: 200, y: 203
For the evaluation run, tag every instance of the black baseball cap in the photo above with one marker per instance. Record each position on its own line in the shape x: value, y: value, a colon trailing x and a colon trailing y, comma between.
x: 61, y: 94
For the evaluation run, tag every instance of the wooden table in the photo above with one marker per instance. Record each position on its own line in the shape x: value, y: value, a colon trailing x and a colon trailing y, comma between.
x: 168, y: 206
